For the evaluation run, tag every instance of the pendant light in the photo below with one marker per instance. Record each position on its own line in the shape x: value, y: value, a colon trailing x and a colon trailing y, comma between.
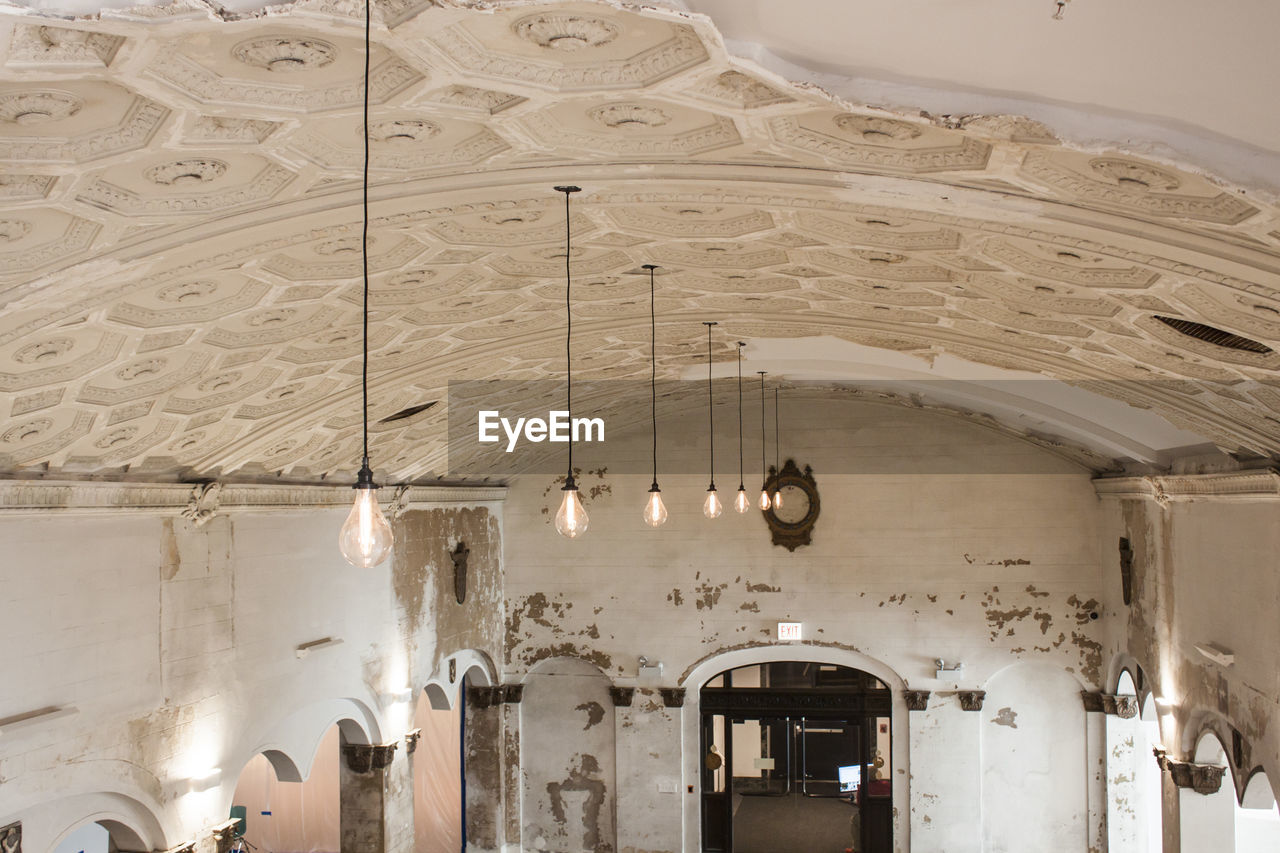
x: 365, y: 538
x: 655, y: 513
x: 764, y: 502
x: 711, y: 507
x: 571, y: 520
x: 741, y: 503
x: 777, y: 458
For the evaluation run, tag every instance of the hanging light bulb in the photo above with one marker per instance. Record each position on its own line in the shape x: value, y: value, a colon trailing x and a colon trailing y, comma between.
x: 655, y: 512
x: 764, y: 502
x: 571, y: 519
x: 365, y: 538
x: 711, y: 507
x: 741, y: 503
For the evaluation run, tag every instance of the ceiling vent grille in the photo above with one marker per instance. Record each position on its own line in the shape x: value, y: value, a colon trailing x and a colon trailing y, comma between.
x: 1217, y: 337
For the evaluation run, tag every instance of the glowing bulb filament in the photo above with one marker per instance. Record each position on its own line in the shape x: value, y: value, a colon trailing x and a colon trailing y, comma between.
x: 764, y: 502
x: 571, y: 520
x: 365, y: 539
x: 712, y: 507
x: 655, y: 512
x: 742, y: 503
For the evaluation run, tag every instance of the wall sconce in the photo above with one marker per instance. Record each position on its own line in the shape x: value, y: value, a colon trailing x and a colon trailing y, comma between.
x: 1217, y: 654
x: 649, y: 670
x: 316, y: 645
x: 947, y: 671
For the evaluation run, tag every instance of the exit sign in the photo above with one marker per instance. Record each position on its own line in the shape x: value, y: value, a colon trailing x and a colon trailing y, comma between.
x: 789, y: 630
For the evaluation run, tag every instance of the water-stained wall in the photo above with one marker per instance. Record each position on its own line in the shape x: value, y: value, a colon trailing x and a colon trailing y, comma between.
x: 956, y: 542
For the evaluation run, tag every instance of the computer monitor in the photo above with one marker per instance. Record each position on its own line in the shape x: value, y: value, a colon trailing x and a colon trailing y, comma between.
x: 850, y: 777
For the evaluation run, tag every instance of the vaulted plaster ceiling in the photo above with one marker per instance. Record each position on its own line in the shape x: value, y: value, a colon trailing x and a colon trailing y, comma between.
x: 180, y: 230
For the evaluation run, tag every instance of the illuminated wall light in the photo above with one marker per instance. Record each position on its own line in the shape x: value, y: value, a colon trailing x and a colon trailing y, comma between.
x: 204, y: 780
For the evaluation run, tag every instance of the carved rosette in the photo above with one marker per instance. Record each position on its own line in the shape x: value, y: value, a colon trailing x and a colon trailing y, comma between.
x: 622, y: 696
x: 368, y: 757
x: 971, y: 700
x: 1201, y: 778
x: 672, y: 697
x: 917, y: 700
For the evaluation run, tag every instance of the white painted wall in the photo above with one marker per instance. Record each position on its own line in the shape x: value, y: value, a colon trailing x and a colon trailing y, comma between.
x: 177, y: 646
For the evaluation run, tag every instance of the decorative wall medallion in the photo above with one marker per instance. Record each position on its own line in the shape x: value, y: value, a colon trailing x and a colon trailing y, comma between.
x: 877, y: 130
x: 44, y: 351
x: 1136, y: 177
x: 628, y: 116
x: 791, y: 523
x: 285, y: 54
x: 38, y: 107
x: 13, y: 230
x: 565, y: 32
x: 405, y: 131
x: 185, y: 173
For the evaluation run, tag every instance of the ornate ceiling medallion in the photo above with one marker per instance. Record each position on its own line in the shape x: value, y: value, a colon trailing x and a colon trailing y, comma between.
x: 116, y: 437
x: 1138, y: 177
x: 183, y: 173
x: 44, y: 351
x: 564, y: 32
x: 38, y: 107
x: 141, y: 369
x: 26, y: 431
x: 628, y: 116
x: 403, y: 131
x: 285, y: 54
x: 875, y: 129
x: 187, y: 291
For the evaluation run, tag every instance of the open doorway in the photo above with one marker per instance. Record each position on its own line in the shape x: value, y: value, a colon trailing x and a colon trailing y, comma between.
x: 796, y: 756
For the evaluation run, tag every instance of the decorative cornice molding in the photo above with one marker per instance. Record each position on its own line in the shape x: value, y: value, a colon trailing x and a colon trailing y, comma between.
x: 201, y: 501
x: 1256, y: 485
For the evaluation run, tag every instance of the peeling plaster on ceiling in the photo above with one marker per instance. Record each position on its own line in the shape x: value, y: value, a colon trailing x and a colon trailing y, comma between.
x: 179, y: 235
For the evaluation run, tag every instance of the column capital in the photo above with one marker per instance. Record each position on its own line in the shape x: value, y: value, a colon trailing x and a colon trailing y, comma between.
x: 917, y: 700
x: 368, y: 757
x: 672, y: 697
x: 622, y: 696
x: 1201, y: 778
x: 971, y: 700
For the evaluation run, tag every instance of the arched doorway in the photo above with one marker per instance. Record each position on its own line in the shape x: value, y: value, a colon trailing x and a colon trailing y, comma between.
x: 101, y: 836
x: 796, y: 755
x: 282, y: 810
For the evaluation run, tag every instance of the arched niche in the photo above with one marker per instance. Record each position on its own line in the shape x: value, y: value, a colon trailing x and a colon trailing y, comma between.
x: 290, y: 742
x: 703, y: 670
x: 568, y: 756
x: 1208, y: 820
x: 130, y: 825
x: 471, y: 668
x: 1034, y: 785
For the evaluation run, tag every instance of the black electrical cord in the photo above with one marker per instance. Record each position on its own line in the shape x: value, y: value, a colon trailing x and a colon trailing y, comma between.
x: 711, y: 414
x: 741, y: 479
x: 764, y: 444
x: 568, y: 332
x: 364, y: 239
x: 653, y: 372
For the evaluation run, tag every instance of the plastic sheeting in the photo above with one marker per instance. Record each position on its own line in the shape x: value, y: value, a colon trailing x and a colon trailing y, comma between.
x: 301, y: 817
x: 437, y: 780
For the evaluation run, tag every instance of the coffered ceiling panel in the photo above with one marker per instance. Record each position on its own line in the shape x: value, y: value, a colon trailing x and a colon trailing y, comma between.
x: 180, y: 227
